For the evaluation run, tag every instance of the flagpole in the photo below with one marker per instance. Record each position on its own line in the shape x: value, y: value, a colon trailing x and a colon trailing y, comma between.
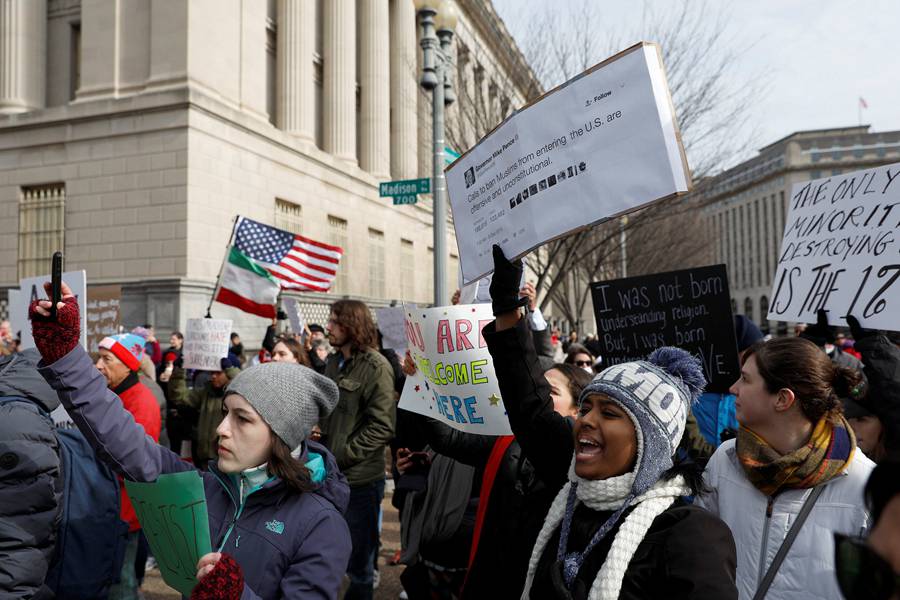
x: 222, y: 267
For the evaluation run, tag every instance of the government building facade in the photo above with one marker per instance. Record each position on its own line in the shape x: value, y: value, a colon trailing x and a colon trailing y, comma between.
x: 133, y: 132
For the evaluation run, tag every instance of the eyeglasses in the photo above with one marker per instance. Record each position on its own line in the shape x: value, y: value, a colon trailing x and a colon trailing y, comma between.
x: 583, y: 363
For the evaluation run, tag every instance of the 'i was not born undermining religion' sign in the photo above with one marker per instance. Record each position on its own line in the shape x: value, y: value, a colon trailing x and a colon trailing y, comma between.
x: 690, y: 309
x: 841, y: 252
x: 454, y: 380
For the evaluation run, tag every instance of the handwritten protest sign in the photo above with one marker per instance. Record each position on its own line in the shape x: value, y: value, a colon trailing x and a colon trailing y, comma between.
x: 690, y: 309
x: 840, y: 250
x: 392, y: 325
x: 454, y: 381
x: 295, y: 314
x: 102, y: 312
x: 206, y: 342
x: 32, y: 288
x: 172, y: 512
x: 599, y: 145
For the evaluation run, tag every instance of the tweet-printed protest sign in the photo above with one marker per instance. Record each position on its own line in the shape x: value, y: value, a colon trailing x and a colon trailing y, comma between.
x: 600, y: 145
x: 454, y: 381
x: 841, y: 250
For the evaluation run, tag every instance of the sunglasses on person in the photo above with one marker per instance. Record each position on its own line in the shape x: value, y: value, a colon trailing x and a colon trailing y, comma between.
x: 583, y: 363
x: 861, y: 573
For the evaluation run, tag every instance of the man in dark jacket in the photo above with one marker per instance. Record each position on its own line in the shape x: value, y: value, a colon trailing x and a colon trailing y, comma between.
x: 30, y: 477
x: 359, y: 429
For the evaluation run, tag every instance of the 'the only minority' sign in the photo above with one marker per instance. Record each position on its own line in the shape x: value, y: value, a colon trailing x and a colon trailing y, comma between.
x: 841, y: 250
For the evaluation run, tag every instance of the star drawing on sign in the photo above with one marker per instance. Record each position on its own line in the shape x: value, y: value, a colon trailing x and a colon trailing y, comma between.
x: 494, y: 399
x: 417, y: 388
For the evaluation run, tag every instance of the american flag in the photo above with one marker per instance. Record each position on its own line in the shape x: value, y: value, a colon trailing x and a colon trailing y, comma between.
x: 297, y: 262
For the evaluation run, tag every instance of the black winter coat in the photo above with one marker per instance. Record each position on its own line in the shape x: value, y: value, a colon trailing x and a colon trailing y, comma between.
x: 882, y: 370
x: 30, y: 478
x: 687, y: 553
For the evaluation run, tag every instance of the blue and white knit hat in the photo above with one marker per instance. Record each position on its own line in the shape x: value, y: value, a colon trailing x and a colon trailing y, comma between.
x: 657, y: 394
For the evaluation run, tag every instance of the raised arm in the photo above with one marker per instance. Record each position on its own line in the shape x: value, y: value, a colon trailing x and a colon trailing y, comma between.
x: 110, y: 429
x: 468, y: 448
x: 544, y: 435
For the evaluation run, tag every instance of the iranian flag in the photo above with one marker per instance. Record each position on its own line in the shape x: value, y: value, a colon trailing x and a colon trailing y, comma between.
x: 247, y: 286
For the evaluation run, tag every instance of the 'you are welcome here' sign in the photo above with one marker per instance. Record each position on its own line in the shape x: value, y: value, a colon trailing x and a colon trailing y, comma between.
x: 454, y: 380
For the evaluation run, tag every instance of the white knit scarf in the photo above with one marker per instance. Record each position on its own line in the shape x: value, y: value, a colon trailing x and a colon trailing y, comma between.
x: 608, y: 494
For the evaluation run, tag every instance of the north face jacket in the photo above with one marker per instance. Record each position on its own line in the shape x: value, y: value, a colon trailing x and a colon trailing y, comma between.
x: 289, y: 545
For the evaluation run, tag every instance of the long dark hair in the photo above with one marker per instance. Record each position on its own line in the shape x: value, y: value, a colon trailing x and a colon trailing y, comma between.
x: 799, y: 365
x: 356, y: 320
x: 577, y: 377
x: 291, y: 471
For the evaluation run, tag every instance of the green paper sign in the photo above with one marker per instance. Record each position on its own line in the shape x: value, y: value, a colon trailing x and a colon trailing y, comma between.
x: 172, y: 512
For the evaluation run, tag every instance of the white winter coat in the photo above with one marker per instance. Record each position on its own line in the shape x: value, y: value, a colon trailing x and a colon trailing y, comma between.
x: 807, y: 572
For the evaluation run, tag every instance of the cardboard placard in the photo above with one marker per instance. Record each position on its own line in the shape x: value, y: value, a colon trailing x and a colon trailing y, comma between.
x: 32, y: 288
x: 295, y: 314
x: 841, y: 251
x: 690, y: 309
x: 102, y: 312
x: 600, y: 145
x: 454, y: 380
x: 392, y: 325
x: 206, y: 342
x: 172, y: 512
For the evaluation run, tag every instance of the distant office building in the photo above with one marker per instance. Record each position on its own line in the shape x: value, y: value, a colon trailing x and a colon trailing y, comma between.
x: 748, y: 204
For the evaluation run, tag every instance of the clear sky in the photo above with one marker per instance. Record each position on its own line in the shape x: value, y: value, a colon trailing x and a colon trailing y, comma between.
x: 817, y: 57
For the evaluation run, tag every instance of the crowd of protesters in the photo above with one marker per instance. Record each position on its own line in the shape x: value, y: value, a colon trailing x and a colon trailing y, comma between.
x: 624, y: 481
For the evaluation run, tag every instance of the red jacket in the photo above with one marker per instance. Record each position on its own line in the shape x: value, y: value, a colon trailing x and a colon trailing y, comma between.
x: 140, y: 402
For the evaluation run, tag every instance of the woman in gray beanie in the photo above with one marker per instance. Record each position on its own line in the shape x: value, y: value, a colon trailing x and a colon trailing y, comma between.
x: 274, y: 499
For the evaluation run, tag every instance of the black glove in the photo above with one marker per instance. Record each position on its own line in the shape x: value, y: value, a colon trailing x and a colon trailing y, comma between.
x: 505, y: 284
x: 857, y: 331
x: 281, y: 316
x: 820, y: 333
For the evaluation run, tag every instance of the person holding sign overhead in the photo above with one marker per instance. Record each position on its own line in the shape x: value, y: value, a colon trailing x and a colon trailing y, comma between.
x: 274, y: 513
x: 793, y: 475
x: 618, y: 526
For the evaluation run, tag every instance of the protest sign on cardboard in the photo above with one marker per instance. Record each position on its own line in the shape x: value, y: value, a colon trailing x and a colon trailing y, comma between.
x: 600, y: 145
x: 392, y: 325
x: 841, y: 250
x: 690, y: 309
x: 32, y: 288
x: 206, y: 343
x: 454, y: 380
x: 295, y: 314
x: 173, y: 516
x: 102, y: 312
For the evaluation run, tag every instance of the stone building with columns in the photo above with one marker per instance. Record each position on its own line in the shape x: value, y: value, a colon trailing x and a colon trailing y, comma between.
x: 132, y: 132
x: 746, y: 205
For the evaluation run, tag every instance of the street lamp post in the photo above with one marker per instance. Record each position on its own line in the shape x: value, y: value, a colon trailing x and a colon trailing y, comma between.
x: 438, y: 20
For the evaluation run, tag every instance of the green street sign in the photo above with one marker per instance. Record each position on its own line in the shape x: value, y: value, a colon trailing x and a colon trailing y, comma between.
x: 405, y: 187
x: 405, y: 199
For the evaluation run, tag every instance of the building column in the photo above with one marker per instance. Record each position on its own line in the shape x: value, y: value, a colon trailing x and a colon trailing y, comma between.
x: 339, y: 78
x: 23, y: 48
x: 295, y: 111
x: 404, y: 90
x: 374, y: 75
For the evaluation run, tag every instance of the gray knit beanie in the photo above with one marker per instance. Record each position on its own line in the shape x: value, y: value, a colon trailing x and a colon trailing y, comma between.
x: 290, y: 398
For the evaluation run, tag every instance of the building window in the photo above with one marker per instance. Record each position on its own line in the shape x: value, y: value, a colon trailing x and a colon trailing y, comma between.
x: 337, y: 233
x: 271, y: 69
x: 816, y: 157
x: 42, y: 212
x: 760, y: 253
x: 815, y: 174
x: 748, y: 307
x: 764, y: 314
x: 858, y: 153
x: 835, y: 172
x: 75, y: 60
x: 376, y: 263
x: 837, y: 155
x: 407, y: 271
x: 881, y: 152
x: 288, y: 216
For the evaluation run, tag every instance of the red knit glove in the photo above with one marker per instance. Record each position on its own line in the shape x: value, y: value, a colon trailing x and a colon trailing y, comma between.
x: 55, y: 339
x: 224, y: 582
